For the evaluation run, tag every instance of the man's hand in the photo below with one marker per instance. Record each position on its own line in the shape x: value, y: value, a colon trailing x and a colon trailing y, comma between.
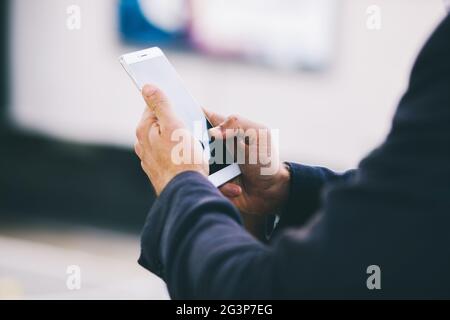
x: 155, y: 143
x: 255, y: 193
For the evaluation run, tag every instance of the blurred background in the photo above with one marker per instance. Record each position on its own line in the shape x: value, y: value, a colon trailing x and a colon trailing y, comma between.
x: 327, y: 73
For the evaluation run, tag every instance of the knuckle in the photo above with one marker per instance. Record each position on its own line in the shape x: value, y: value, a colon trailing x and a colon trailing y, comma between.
x: 137, y: 148
x: 234, y: 118
x: 157, y: 96
x: 157, y: 92
x: 144, y: 166
x: 140, y: 131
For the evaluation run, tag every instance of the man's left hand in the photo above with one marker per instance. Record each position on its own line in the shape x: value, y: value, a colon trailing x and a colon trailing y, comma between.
x: 155, y: 142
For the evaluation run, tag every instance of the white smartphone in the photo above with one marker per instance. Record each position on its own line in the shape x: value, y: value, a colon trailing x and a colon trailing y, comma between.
x: 150, y: 66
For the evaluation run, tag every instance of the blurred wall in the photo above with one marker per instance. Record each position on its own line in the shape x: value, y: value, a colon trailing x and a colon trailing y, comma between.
x: 4, y: 58
x: 69, y: 83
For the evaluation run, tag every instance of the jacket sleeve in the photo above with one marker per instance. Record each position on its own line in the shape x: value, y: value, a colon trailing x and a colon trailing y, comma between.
x: 393, y: 214
x: 305, y: 196
x: 194, y: 240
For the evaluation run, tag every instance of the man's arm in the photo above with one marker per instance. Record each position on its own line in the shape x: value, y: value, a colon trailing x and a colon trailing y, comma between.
x: 393, y: 215
x: 203, y: 251
x: 306, y: 189
x: 194, y: 240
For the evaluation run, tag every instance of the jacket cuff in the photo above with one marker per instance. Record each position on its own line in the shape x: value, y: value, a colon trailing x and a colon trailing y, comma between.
x: 304, y: 195
x: 154, y: 225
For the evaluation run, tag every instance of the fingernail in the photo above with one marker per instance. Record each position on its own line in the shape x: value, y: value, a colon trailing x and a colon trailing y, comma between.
x: 148, y: 90
x: 236, y: 190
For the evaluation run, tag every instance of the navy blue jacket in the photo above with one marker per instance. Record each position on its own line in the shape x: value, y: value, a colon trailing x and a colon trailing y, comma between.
x: 393, y: 212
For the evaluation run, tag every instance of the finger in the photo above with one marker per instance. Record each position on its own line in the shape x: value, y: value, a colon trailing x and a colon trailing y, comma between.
x: 147, y: 121
x: 154, y: 133
x: 138, y: 149
x: 231, y: 190
x: 214, y: 118
x: 230, y: 128
x: 148, y: 115
x: 158, y: 103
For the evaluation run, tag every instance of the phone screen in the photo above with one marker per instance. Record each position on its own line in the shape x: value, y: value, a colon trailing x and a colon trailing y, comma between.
x: 221, y: 158
x: 158, y: 71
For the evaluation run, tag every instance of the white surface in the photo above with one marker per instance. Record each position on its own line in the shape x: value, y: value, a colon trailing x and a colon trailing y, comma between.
x: 69, y: 84
x: 34, y: 262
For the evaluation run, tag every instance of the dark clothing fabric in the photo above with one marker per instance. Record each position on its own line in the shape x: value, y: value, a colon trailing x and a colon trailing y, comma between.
x: 306, y: 188
x: 393, y: 212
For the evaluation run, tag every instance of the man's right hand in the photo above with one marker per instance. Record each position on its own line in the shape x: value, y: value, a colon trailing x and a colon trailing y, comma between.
x: 254, y: 193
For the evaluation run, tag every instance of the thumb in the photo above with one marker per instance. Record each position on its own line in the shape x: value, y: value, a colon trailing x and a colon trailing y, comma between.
x: 231, y: 190
x: 158, y: 103
x: 215, y: 118
x: 229, y: 128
